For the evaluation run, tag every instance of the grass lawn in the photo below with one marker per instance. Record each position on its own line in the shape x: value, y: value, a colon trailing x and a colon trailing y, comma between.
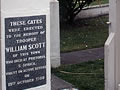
x: 85, y: 76
x: 86, y: 33
x: 101, y: 2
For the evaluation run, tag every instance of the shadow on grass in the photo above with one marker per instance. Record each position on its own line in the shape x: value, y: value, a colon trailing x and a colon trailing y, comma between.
x: 84, y: 34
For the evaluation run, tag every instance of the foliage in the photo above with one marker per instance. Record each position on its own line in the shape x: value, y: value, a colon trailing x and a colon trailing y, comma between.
x: 70, y: 8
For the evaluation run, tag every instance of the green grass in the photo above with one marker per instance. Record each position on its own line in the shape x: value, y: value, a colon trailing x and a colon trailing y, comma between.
x: 101, y: 2
x: 86, y: 33
x: 82, y: 77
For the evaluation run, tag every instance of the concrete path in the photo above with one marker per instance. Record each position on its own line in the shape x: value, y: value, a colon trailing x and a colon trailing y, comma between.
x: 75, y: 58
x: 59, y: 84
x: 82, y: 56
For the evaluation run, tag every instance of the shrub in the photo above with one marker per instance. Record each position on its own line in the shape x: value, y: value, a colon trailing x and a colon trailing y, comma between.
x: 70, y: 8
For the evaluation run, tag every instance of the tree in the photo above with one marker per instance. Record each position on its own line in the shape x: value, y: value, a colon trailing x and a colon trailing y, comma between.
x: 70, y: 8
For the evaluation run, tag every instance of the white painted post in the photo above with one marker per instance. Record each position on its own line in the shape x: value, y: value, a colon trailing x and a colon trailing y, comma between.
x: 25, y: 45
x: 109, y: 63
x: 112, y: 50
x: 55, y: 33
x: 118, y: 86
x: 110, y: 60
